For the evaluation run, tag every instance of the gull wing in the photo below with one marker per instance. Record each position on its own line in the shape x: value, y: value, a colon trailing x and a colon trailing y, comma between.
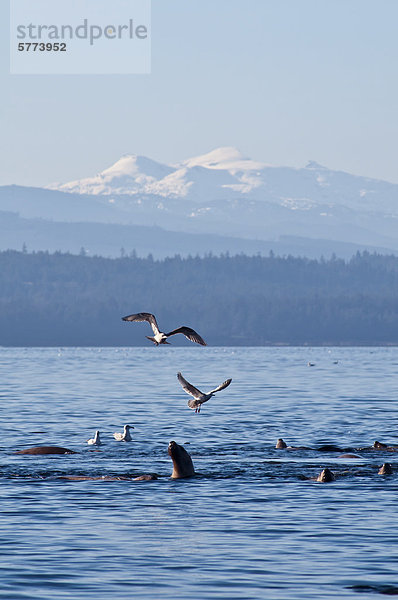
x: 144, y: 317
x: 189, y: 388
x: 189, y: 333
x: 222, y: 386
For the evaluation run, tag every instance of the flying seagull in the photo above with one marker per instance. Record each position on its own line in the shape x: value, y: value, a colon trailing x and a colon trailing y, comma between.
x: 159, y: 336
x: 125, y: 436
x: 199, y: 397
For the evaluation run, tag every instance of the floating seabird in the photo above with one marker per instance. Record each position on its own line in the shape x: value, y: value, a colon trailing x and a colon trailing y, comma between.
x: 159, y: 336
x: 199, y: 397
x: 95, y: 441
x: 125, y: 436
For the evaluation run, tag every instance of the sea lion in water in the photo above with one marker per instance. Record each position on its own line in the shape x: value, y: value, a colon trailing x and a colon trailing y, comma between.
x: 98, y: 478
x: 46, y: 450
x: 348, y: 455
x: 182, y: 462
x: 330, y: 448
x: 148, y: 477
x: 385, y: 469
x: 379, y: 446
x: 325, y: 476
x: 280, y: 444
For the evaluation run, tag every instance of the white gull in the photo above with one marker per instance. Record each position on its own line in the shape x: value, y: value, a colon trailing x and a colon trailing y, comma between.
x: 125, y: 436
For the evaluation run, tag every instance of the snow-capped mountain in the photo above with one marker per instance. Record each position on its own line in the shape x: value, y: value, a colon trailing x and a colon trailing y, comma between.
x: 219, y: 170
x: 224, y: 193
x: 225, y: 173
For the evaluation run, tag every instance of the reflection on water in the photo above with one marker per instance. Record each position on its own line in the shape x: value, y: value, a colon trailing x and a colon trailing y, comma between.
x: 253, y: 524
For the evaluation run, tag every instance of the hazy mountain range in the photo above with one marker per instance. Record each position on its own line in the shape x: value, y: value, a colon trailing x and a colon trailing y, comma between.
x: 218, y: 195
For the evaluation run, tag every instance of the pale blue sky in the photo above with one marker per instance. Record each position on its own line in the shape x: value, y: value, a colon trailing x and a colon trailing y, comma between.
x: 285, y: 81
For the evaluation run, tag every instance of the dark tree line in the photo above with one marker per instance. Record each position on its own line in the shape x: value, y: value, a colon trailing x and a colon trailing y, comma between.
x: 63, y: 299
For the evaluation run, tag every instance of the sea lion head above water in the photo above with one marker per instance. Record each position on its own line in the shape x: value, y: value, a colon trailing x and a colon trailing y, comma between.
x: 280, y: 444
x: 380, y: 446
x: 182, y: 462
x: 46, y: 450
x: 325, y: 476
x: 385, y: 469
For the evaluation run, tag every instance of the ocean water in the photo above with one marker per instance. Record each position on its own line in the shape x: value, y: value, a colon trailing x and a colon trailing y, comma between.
x: 252, y: 524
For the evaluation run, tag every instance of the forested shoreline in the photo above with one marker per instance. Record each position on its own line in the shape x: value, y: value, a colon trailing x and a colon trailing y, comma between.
x: 62, y: 299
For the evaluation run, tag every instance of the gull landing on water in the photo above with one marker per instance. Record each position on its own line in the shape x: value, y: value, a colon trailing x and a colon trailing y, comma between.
x: 125, y: 436
x: 95, y: 441
x: 199, y: 397
x: 159, y: 336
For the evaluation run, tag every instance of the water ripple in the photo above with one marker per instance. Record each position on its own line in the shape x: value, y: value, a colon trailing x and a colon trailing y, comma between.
x: 252, y: 524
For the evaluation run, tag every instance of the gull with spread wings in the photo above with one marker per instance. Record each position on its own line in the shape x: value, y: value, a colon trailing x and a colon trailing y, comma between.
x: 159, y: 336
x: 199, y: 397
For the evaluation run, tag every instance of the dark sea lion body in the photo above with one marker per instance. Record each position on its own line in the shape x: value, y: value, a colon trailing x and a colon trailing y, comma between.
x: 349, y: 455
x: 98, y: 478
x: 182, y: 462
x: 381, y: 446
x: 280, y: 444
x: 325, y: 476
x: 46, y: 450
x: 146, y: 477
x: 330, y: 448
x: 385, y: 469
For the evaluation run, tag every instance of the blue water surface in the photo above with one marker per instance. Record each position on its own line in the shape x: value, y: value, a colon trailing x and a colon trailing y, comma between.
x: 252, y: 524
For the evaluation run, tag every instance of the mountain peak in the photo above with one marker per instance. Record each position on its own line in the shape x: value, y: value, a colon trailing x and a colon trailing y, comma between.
x: 312, y: 164
x: 134, y: 165
x: 225, y: 157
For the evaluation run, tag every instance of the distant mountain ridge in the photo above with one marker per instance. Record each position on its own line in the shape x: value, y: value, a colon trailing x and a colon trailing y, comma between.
x: 115, y: 240
x: 225, y: 172
x: 226, y: 194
